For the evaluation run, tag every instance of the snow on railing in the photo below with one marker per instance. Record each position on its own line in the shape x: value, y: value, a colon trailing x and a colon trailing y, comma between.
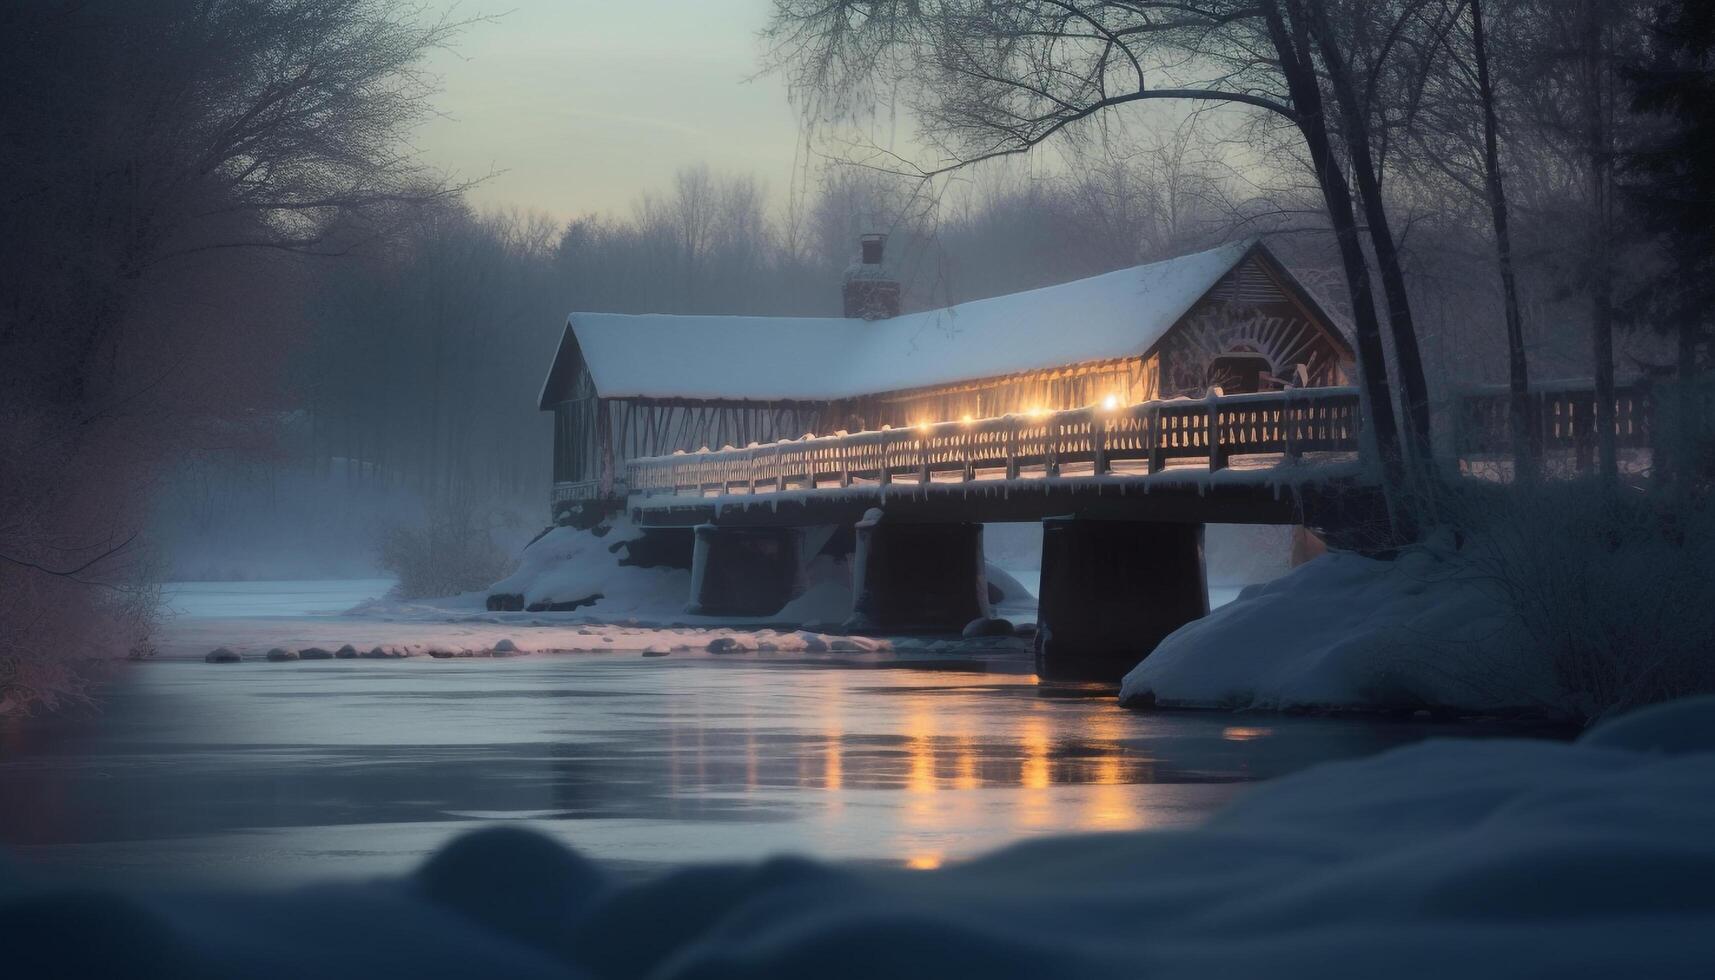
x: 1079, y: 442
x: 578, y: 490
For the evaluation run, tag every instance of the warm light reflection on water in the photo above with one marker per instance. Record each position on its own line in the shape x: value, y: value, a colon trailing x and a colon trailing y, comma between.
x: 831, y: 759
x: 1244, y: 733
x: 968, y: 775
x: 1034, y: 772
x: 357, y: 767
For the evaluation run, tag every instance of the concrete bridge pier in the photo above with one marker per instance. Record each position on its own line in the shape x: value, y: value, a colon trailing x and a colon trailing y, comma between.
x: 1111, y: 591
x: 910, y: 577
x: 745, y: 571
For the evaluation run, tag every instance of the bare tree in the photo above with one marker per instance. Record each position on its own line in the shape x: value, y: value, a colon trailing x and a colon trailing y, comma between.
x: 996, y: 80
x: 1453, y: 132
x: 1566, y: 58
x: 166, y: 164
x: 1518, y: 370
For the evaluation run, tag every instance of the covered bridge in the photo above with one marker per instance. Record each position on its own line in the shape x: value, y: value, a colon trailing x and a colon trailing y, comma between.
x: 625, y: 386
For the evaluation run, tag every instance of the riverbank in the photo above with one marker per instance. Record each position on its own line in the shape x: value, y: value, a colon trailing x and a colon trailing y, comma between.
x: 1424, y: 631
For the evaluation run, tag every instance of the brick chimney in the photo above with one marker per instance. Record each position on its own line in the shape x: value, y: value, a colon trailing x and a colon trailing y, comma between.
x: 870, y: 291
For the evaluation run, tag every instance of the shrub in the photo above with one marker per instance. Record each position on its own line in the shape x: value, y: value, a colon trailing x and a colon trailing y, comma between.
x: 1613, y: 591
x: 451, y: 551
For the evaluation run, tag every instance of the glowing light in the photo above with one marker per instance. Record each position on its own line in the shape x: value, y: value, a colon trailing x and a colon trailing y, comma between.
x: 1037, y: 412
x: 966, y: 777
x: 923, y: 427
x: 833, y: 770
x: 1111, y: 402
x: 920, y: 733
x: 966, y: 418
x: 1033, y: 740
x: 923, y: 862
x: 1241, y: 733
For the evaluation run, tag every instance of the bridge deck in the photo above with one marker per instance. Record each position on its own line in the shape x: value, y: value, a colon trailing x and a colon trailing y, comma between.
x: 1287, y: 493
x: 1275, y: 457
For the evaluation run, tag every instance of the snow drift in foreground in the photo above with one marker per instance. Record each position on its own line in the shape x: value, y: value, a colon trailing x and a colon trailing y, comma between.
x: 1347, y: 632
x: 1449, y: 858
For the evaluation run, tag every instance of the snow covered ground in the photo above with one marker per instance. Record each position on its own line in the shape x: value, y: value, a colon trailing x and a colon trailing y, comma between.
x: 1450, y: 858
x: 1345, y: 632
x: 307, y: 597
x: 210, y: 615
x: 569, y: 565
x: 638, y: 610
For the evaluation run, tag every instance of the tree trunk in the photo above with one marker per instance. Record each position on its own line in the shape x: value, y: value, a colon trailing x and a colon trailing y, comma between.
x: 1307, y: 101
x: 1518, y: 375
x: 1414, y: 389
x: 1601, y: 277
x: 1681, y: 442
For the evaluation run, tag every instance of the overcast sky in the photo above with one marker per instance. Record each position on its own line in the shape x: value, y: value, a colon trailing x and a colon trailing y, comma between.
x: 585, y: 104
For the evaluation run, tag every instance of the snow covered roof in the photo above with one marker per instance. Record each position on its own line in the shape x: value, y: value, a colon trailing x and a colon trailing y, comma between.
x: 760, y: 358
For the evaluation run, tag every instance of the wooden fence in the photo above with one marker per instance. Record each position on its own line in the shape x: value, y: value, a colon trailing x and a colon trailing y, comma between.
x: 574, y: 492
x: 1562, y: 418
x: 1091, y: 441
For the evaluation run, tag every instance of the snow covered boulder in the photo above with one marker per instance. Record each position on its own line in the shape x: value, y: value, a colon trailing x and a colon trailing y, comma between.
x: 222, y: 655
x: 1683, y: 727
x: 985, y: 627
x: 1008, y: 596
x: 1344, y: 632
x: 732, y: 644
x: 314, y: 653
x: 564, y: 605
x: 281, y: 654
x: 347, y: 652
x: 516, y: 882
x: 569, y: 568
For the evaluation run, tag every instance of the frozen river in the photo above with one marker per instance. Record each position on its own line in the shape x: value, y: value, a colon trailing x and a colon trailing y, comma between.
x: 197, y: 773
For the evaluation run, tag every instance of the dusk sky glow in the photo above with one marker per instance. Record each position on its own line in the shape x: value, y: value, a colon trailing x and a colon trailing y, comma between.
x: 582, y: 105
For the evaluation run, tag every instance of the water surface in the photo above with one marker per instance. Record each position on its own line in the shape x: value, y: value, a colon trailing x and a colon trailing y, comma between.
x: 264, y: 773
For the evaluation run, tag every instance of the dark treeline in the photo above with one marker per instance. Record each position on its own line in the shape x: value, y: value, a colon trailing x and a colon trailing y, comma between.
x: 168, y: 171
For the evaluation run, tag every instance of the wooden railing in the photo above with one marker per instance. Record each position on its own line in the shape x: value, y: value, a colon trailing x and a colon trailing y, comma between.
x: 1562, y: 417
x: 1091, y: 441
x: 579, y: 490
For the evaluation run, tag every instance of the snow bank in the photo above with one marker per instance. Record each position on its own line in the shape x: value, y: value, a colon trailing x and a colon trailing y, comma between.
x: 1450, y: 858
x: 567, y: 565
x: 1348, y: 632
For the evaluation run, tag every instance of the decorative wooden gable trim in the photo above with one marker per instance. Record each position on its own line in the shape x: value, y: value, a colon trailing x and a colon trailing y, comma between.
x: 1257, y: 308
